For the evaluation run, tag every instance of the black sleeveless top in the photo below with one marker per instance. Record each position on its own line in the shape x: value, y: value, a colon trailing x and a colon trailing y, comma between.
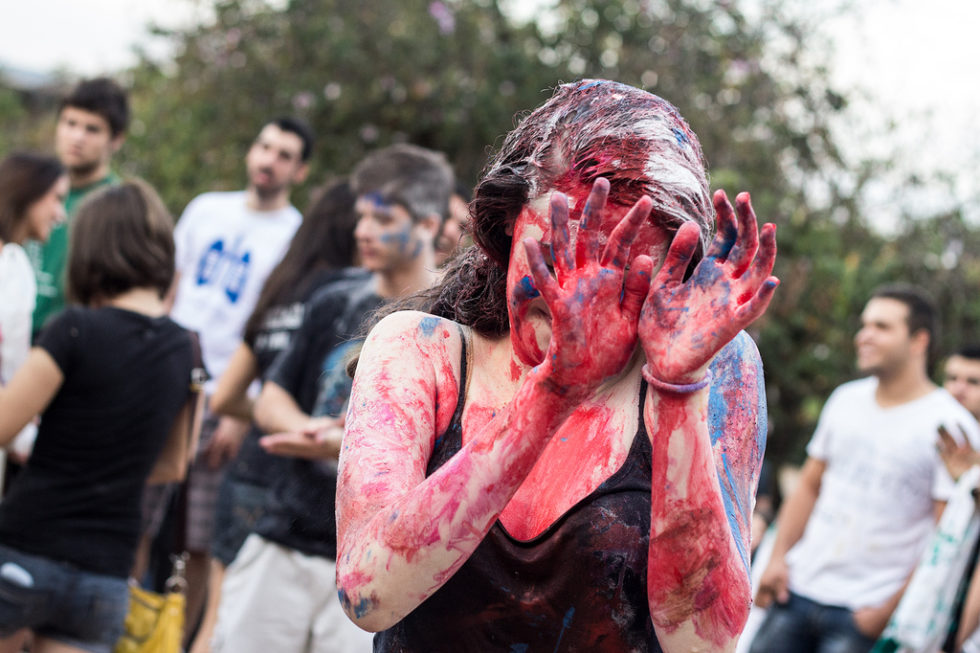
x: 581, y: 585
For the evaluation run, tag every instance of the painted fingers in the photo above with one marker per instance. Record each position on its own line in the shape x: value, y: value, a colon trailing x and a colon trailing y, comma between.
x: 587, y: 241
x: 748, y: 256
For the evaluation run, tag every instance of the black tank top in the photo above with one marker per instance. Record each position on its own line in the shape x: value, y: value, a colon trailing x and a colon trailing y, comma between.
x: 581, y: 585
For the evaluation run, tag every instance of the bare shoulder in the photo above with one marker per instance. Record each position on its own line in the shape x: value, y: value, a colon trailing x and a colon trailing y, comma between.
x: 406, y: 383
x: 410, y: 352
x: 416, y: 329
x: 737, y: 410
x: 738, y: 358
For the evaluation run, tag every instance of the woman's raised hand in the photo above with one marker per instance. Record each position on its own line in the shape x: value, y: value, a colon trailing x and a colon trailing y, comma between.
x: 683, y: 324
x: 594, y: 302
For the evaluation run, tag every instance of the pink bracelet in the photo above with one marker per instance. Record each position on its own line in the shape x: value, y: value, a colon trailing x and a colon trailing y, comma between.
x: 675, y: 388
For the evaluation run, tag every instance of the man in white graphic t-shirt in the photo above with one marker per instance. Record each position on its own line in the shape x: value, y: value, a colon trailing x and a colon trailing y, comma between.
x: 227, y: 244
x: 851, y: 533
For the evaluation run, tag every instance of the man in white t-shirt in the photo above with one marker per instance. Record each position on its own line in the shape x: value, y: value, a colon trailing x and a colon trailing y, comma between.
x: 227, y: 244
x: 872, y: 486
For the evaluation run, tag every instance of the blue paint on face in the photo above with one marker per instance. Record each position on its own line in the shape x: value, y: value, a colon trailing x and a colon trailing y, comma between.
x: 375, y: 198
x: 427, y: 325
x: 399, y: 238
x: 518, y: 648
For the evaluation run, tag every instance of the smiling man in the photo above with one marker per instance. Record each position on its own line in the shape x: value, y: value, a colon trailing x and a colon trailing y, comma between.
x: 91, y: 127
x: 852, y: 532
x: 227, y: 244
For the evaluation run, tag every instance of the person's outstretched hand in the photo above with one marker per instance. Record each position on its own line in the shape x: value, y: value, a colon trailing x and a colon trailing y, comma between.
x: 957, y: 456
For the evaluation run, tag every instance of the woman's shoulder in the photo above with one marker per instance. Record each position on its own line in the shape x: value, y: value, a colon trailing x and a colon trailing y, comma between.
x: 740, y: 353
x: 417, y: 326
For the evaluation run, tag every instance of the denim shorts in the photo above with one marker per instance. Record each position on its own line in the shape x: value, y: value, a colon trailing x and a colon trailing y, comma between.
x: 61, y: 602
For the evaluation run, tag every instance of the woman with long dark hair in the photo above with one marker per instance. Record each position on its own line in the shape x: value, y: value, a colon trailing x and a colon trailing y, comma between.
x: 561, y: 453
x: 32, y: 196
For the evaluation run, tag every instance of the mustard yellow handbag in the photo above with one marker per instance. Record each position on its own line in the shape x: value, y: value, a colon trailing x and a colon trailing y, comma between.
x: 155, y: 622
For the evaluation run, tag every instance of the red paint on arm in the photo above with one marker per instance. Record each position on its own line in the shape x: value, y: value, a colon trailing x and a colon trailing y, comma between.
x: 400, y: 534
x: 695, y: 573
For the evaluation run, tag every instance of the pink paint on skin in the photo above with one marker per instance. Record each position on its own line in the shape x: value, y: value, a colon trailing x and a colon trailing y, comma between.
x: 579, y: 455
x: 694, y: 569
x: 565, y: 423
x: 439, y: 523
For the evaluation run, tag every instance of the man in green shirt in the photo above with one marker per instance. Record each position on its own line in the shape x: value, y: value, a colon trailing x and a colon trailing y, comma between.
x: 92, y: 122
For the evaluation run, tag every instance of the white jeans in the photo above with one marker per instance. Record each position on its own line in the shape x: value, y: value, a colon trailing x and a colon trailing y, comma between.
x: 277, y: 599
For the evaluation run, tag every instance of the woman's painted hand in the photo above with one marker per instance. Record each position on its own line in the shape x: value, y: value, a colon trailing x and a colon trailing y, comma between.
x: 594, y: 302
x: 683, y: 324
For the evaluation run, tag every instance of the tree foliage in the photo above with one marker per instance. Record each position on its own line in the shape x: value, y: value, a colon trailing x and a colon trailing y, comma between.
x: 453, y: 74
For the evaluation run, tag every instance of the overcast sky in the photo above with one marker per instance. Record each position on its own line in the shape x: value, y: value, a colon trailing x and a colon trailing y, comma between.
x: 917, y: 61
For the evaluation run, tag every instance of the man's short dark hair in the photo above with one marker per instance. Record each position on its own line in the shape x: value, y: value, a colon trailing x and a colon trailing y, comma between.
x: 101, y: 96
x: 923, y: 314
x: 971, y: 351
x: 299, y: 127
x: 413, y: 177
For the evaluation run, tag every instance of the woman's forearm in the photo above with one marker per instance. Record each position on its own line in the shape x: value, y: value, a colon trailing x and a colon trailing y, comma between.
x: 391, y: 561
x: 697, y: 582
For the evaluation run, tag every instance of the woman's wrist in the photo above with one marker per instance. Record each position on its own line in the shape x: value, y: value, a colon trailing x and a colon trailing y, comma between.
x: 685, y: 386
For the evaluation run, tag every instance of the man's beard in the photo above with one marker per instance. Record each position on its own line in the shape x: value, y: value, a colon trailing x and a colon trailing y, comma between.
x: 268, y: 192
x: 83, y: 170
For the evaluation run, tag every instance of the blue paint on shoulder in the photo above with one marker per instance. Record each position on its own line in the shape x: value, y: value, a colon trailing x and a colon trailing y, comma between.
x: 589, y: 85
x: 427, y: 325
x: 518, y: 648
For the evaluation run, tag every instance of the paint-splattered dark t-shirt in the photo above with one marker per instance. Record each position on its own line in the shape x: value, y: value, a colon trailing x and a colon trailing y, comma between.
x: 579, y: 586
x: 254, y: 465
x: 300, y: 511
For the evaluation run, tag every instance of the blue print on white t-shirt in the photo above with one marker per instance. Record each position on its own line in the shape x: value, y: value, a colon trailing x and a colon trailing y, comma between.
x: 225, y: 269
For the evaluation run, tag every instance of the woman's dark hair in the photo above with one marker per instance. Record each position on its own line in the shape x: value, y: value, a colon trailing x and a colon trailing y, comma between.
x: 588, y: 129
x: 121, y: 238
x: 324, y: 241
x: 24, y: 179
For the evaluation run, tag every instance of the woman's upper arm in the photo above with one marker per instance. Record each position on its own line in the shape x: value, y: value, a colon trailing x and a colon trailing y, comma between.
x: 404, y: 394
x: 231, y: 394
x: 30, y: 391
x: 737, y: 424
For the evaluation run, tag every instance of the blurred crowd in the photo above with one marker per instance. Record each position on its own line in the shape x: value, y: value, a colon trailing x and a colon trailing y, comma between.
x: 109, y: 312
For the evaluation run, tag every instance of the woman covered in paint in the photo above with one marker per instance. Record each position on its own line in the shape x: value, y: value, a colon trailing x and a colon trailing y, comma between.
x: 562, y: 454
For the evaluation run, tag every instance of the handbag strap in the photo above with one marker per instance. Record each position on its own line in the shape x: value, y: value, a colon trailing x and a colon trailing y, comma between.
x: 199, y: 374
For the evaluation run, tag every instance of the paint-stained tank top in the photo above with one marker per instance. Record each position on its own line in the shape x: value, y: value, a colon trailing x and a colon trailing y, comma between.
x: 578, y: 586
